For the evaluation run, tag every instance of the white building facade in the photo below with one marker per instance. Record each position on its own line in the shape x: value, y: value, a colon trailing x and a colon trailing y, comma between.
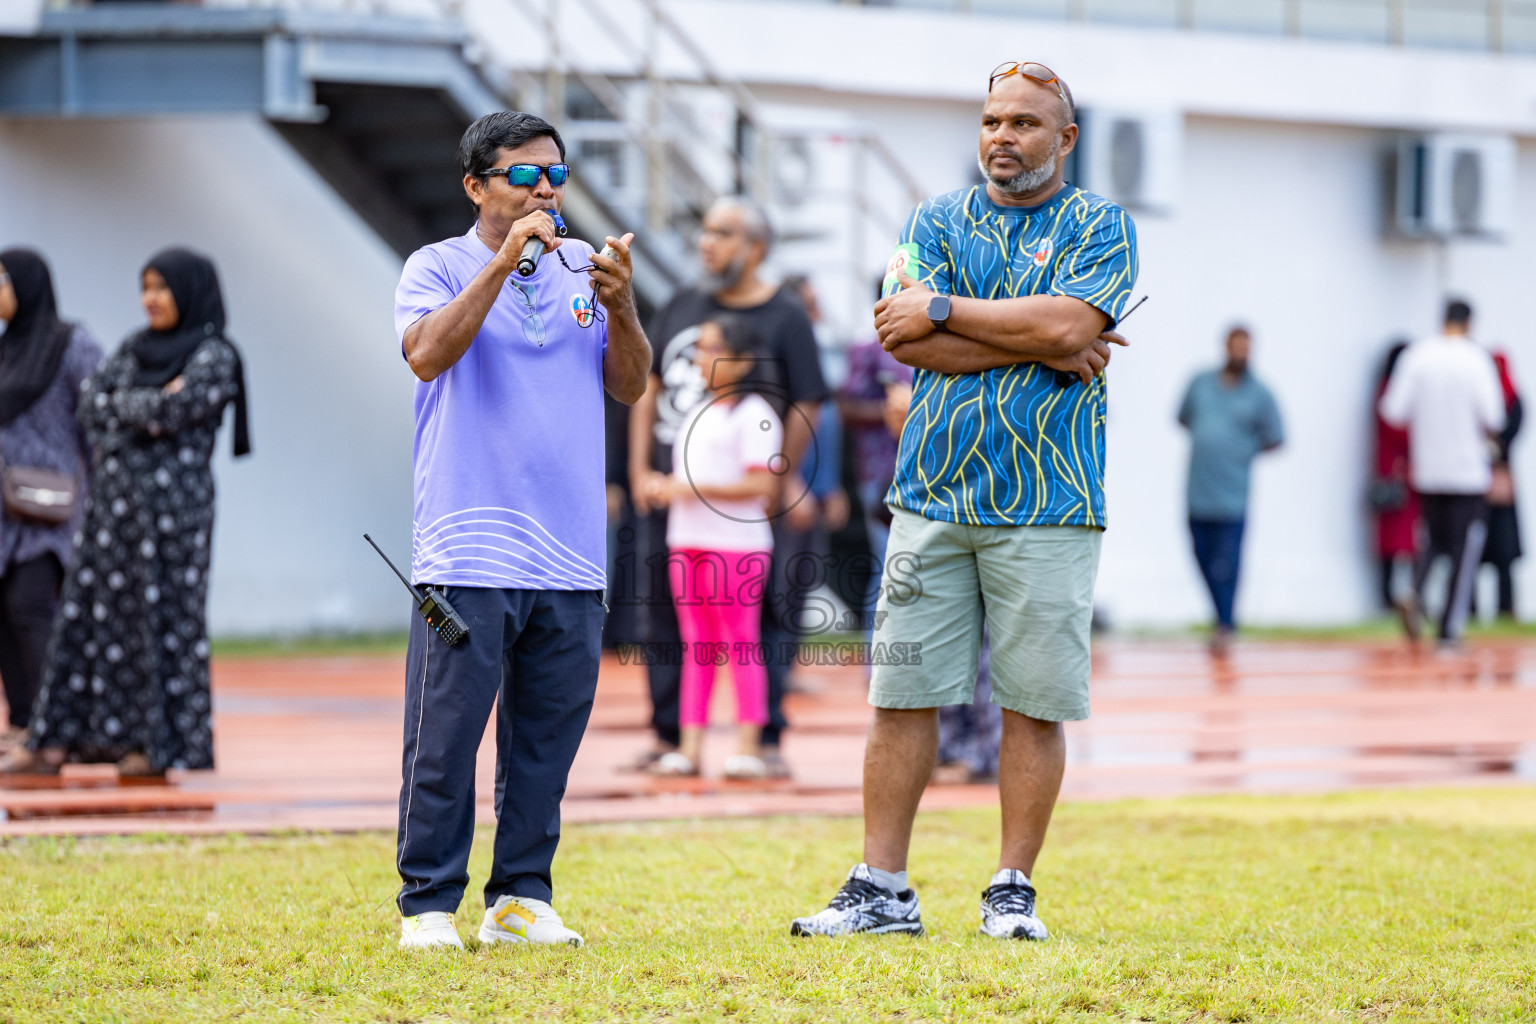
x: 1267, y: 199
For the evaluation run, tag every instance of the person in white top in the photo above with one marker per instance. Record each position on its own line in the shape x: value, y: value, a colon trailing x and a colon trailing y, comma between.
x: 1445, y: 392
x: 727, y: 462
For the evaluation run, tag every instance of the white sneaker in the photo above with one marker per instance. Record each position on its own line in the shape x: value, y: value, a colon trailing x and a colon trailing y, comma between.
x: 862, y: 906
x: 1008, y: 908
x: 432, y: 930
x: 520, y: 919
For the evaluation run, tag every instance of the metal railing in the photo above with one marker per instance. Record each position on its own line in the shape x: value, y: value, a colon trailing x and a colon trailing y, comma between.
x: 1493, y: 25
x: 650, y: 111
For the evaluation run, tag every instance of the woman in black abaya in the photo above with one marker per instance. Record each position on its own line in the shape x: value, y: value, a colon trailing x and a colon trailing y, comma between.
x: 127, y: 676
x: 43, y: 362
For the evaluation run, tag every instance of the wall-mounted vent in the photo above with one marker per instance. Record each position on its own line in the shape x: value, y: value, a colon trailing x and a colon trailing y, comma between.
x: 1130, y: 157
x: 1452, y: 185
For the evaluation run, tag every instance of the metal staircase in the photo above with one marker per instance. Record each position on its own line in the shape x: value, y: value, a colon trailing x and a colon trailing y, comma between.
x: 376, y: 104
x: 661, y: 130
x: 375, y: 101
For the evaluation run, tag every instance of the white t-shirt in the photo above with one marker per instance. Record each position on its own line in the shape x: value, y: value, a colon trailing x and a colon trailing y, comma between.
x: 1446, y: 392
x: 717, y: 443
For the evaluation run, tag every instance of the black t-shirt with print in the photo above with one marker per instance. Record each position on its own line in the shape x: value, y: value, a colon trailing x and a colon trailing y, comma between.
x: 790, y: 372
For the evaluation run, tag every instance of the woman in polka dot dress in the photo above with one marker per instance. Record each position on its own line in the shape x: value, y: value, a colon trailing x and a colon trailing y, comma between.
x: 127, y: 674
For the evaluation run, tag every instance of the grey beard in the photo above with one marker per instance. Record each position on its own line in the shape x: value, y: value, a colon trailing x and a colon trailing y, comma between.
x: 1024, y: 182
x: 728, y: 278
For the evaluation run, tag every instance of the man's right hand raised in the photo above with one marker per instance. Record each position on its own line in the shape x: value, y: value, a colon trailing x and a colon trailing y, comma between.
x: 1089, y: 362
x: 538, y: 224
x: 439, y: 340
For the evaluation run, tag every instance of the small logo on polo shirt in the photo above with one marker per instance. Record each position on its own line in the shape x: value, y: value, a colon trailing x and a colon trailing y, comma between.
x: 1042, y: 254
x: 582, y: 310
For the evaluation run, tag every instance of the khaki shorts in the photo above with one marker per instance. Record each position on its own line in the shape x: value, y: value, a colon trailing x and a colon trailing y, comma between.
x: 1031, y: 585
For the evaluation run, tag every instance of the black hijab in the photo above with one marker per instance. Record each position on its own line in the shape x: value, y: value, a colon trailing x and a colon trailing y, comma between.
x: 163, y: 355
x: 32, y: 348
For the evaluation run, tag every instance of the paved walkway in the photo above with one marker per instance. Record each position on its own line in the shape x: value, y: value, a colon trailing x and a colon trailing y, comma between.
x: 315, y: 744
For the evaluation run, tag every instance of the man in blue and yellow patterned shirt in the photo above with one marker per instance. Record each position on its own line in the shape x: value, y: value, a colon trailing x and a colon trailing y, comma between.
x: 1002, y: 297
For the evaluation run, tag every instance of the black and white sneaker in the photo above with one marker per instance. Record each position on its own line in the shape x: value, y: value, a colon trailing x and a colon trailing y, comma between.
x: 1008, y: 908
x: 863, y: 907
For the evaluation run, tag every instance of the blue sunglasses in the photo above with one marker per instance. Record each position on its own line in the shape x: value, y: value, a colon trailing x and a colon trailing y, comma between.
x: 527, y: 175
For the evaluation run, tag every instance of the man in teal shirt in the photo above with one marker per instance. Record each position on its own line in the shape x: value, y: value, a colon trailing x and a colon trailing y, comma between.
x: 1001, y: 296
x: 1231, y: 418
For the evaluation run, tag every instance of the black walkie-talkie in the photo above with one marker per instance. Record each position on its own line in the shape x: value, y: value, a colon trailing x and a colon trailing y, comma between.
x: 433, y: 605
x: 1067, y: 380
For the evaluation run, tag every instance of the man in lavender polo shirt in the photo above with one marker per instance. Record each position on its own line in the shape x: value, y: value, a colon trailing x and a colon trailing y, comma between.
x: 509, y: 523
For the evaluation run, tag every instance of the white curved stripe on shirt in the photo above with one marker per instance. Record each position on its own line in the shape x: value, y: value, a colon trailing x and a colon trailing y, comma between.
x: 457, y: 563
x: 423, y: 550
x: 536, y: 542
x: 448, y: 554
x: 448, y: 564
x: 430, y: 530
x: 502, y: 579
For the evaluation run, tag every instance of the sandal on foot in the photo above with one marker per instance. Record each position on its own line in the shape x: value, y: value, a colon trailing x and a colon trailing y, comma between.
x: 137, y: 766
x: 22, y: 761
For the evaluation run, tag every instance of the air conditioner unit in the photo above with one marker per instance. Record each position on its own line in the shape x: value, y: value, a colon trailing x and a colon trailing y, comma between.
x: 1454, y: 185
x: 1130, y: 156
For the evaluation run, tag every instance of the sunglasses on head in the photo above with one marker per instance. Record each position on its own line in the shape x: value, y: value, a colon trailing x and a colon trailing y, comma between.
x: 527, y: 175
x: 1035, y: 72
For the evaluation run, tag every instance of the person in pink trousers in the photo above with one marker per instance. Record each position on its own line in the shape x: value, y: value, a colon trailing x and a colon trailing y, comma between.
x: 727, y: 461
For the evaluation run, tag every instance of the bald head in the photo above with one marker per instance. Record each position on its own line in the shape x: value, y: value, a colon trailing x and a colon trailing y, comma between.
x: 1066, y: 107
x: 746, y: 213
x: 1027, y: 130
x: 734, y: 242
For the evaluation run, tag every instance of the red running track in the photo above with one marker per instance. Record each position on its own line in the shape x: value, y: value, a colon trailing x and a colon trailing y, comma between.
x: 315, y: 743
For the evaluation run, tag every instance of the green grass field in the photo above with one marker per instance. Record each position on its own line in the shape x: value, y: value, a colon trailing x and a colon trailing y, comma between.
x: 311, y: 645
x: 353, y: 645
x: 1404, y: 906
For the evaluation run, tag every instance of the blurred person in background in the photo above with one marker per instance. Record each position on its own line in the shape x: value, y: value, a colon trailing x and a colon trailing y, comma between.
x: 1231, y: 417
x: 809, y: 525
x: 971, y: 735
x: 734, y: 243
x: 721, y: 544
x: 127, y: 672
x: 800, y: 288
x: 1445, y: 392
x: 829, y: 510
x: 1391, y: 498
x: 1503, y: 547
x: 873, y: 405
x: 43, y: 363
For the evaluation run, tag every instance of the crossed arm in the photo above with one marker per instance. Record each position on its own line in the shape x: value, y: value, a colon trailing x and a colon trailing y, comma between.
x: 1057, y: 331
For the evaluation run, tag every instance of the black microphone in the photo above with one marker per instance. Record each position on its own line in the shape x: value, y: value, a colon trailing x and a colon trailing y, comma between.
x: 533, y: 249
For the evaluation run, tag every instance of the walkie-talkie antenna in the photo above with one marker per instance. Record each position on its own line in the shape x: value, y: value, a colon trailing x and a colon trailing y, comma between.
x: 1130, y: 311
x: 433, y: 605
x: 408, y: 585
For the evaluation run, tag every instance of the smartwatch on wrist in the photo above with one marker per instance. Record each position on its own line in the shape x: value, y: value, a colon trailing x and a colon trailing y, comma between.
x: 938, y: 311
